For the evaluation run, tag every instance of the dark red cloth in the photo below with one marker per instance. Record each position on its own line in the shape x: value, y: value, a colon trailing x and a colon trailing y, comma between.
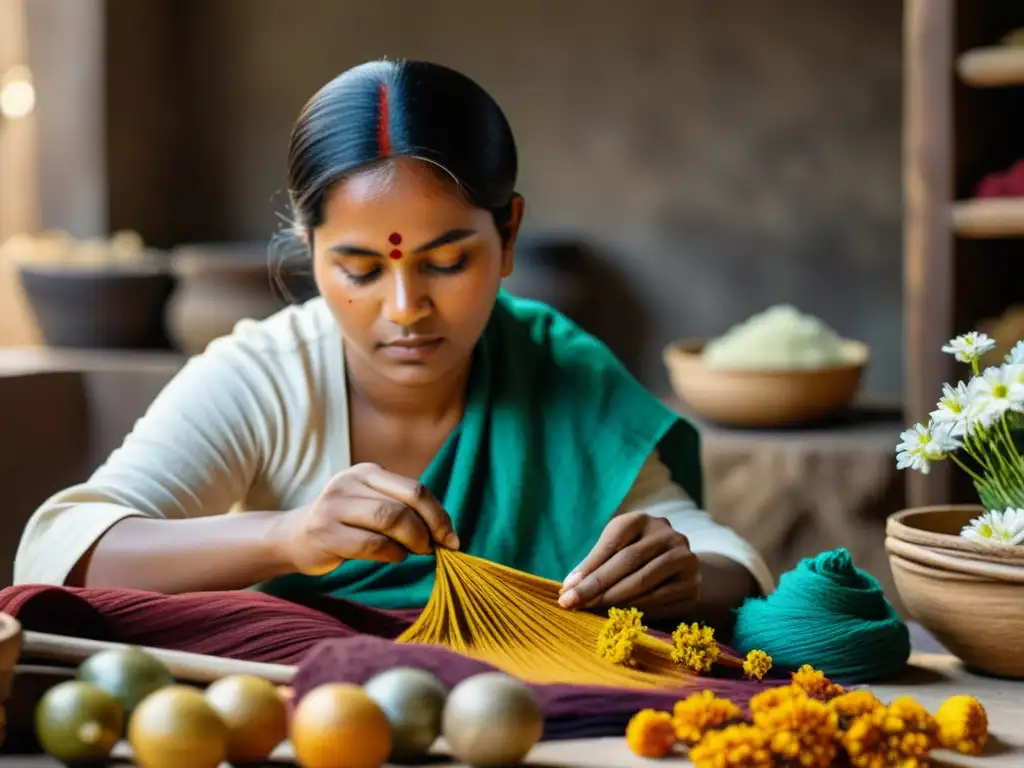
x: 330, y: 640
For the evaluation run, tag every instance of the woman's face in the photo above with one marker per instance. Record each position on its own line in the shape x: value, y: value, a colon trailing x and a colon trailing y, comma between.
x: 409, y: 269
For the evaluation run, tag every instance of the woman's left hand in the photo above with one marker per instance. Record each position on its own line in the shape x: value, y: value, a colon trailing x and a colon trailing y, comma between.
x: 639, y: 562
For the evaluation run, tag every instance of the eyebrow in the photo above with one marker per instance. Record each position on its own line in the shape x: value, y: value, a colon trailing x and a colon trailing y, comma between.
x: 448, y: 238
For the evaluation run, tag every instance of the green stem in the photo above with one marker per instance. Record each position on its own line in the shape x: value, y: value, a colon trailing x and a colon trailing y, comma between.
x: 1013, y: 462
x: 974, y: 476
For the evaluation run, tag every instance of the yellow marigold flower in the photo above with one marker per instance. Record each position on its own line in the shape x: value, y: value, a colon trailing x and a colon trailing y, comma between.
x: 757, y: 664
x: 814, y: 682
x: 694, y: 647
x: 901, y: 734
x: 738, y: 746
x: 854, y: 704
x: 699, y: 712
x: 616, y: 641
x: 650, y: 733
x: 801, y: 731
x: 775, y: 697
x: 963, y: 725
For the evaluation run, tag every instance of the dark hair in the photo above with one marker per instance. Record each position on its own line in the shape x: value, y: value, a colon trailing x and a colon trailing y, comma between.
x: 415, y: 109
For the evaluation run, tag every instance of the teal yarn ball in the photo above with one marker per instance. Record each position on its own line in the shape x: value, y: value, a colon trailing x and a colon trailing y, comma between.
x: 831, y: 615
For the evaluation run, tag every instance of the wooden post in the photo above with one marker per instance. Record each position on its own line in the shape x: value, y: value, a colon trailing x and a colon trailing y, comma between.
x: 929, y: 42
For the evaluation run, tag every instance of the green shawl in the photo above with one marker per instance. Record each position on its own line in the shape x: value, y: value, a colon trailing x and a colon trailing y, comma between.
x: 554, y: 434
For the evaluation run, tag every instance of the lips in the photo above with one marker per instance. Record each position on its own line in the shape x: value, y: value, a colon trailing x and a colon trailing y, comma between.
x: 413, y: 348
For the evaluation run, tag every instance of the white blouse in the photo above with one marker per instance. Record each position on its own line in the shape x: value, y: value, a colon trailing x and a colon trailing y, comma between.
x: 260, y: 421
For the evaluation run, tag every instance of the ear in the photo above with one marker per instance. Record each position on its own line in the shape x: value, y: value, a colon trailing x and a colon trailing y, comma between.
x: 511, y: 233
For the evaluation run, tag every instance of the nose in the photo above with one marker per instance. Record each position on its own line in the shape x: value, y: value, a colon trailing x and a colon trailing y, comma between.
x: 407, y: 302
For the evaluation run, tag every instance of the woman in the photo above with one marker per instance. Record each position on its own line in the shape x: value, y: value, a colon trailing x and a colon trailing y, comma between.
x: 412, y: 405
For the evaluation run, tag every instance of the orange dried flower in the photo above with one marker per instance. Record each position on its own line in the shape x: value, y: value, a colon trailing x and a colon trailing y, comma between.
x: 757, y: 664
x: 814, y: 682
x: 694, y: 647
x: 700, y: 712
x: 738, y: 746
x: 854, y: 704
x: 650, y: 733
x: 616, y: 642
x: 775, y: 697
x: 901, y: 734
x: 801, y: 731
x: 963, y: 725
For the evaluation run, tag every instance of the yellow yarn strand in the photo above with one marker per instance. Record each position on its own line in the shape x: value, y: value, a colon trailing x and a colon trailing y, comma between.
x: 512, y: 620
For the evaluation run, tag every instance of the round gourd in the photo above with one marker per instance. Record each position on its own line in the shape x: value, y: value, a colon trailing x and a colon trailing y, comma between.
x: 176, y: 727
x: 77, y: 722
x: 128, y: 674
x: 492, y: 719
x: 412, y: 700
x: 338, y: 724
x: 254, y: 713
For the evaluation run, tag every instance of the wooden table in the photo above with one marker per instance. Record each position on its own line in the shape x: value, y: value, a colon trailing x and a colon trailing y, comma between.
x: 931, y: 678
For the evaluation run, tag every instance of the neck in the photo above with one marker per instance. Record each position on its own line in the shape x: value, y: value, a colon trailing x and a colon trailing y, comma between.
x: 434, y: 402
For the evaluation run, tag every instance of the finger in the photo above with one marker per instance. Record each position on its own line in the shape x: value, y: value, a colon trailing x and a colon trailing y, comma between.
x: 621, y: 531
x: 674, y: 565
x: 620, y: 565
x: 388, y: 516
x: 352, y: 543
x: 418, y: 497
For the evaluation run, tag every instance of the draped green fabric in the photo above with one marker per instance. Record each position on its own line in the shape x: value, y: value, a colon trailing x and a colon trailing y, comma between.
x: 554, y: 434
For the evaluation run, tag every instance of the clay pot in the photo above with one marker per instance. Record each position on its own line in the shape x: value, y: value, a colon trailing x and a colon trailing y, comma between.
x: 967, y: 594
x: 116, y: 306
x: 218, y: 285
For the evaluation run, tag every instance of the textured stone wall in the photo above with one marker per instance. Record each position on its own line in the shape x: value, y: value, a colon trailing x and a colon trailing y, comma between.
x: 721, y: 156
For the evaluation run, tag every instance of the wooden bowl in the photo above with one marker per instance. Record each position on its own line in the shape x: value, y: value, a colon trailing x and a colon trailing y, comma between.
x: 10, y: 652
x: 763, y: 398
x: 938, y: 528
x: 977, y: 618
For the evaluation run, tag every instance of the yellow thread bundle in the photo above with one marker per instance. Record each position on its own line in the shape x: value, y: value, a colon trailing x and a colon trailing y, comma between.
x: 512, y: 620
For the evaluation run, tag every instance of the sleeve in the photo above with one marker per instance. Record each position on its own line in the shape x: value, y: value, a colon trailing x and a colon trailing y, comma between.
x: 655, y: 493
x: 196, y: 451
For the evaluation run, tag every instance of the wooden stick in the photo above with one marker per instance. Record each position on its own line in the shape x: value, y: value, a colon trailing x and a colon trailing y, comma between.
x: 187, y: 667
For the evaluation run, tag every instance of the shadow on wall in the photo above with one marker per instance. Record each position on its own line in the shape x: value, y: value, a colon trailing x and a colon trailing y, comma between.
x: 576, y: 278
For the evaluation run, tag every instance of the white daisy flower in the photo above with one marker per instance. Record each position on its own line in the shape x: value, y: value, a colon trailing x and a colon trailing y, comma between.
x: 952, y: 409
x: 969, y: 347
x: 921, y: 445
x: 996, y: 392
x: 1016, y: 355
x: 997, y: 527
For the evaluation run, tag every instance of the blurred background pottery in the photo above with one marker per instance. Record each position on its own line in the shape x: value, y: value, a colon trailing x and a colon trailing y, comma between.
x: 763, y: 398
x: 219, y: 285
x: 966, y: 593
x: 99, y: 306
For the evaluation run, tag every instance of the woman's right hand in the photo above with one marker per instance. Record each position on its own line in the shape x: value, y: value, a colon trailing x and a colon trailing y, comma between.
x: 364, y: 513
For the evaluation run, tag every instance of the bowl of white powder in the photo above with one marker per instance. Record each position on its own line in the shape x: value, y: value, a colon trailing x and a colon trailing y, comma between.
x: 778, y: 368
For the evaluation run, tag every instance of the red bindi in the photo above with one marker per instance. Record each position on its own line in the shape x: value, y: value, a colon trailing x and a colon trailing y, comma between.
x: 395, y: 239
x: 395, y: 254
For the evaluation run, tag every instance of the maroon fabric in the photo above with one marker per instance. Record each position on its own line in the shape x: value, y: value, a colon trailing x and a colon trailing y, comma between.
x: 238, y: 625
x: 330, y: 640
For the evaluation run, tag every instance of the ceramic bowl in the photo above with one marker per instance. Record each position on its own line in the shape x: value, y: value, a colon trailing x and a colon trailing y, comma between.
x: 978, y: 619
x: 938, y: 529
x: 763, y: 398
x: 966, y: 593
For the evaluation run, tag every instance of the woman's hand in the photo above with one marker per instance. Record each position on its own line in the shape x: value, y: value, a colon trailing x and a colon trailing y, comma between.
x: 364, y: 513
x: 640, y: 562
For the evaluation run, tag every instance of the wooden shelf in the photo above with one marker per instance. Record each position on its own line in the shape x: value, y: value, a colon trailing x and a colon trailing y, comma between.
x: 1000, y: 217
x: 992, y: 67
